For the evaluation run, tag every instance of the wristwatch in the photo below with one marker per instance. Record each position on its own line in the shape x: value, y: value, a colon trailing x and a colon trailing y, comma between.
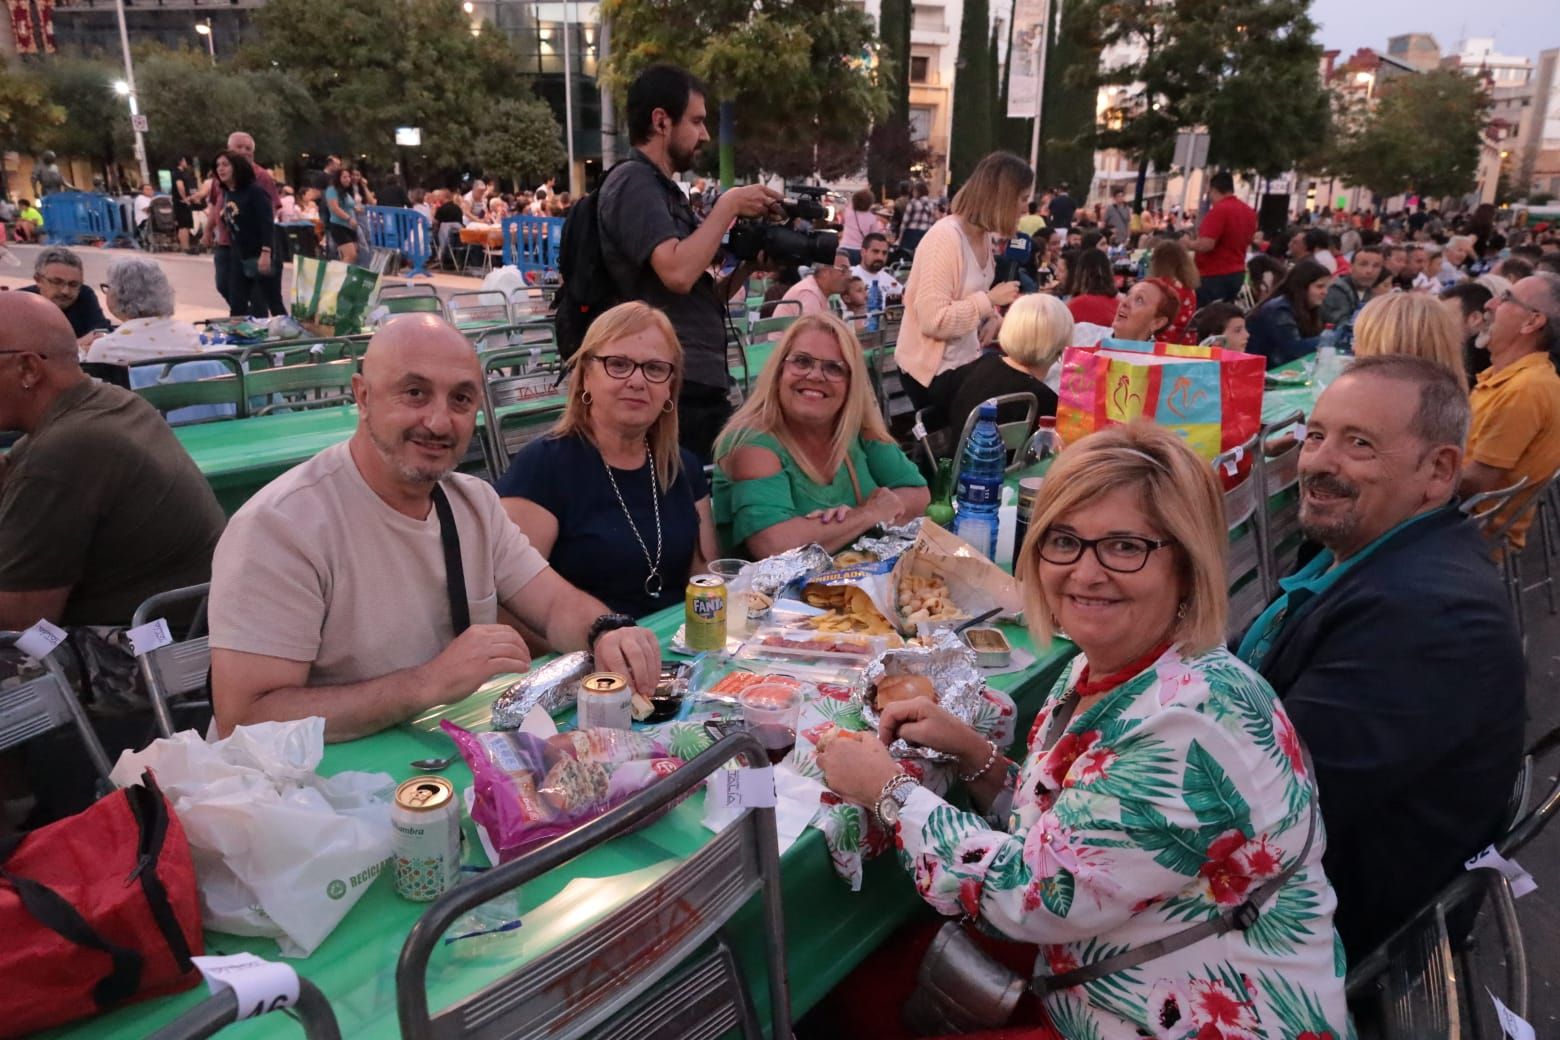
x: 895, y: 794
x: 604, y: 624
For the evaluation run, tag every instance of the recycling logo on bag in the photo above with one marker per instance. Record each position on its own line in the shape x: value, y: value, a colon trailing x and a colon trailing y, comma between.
x: 336, y: 889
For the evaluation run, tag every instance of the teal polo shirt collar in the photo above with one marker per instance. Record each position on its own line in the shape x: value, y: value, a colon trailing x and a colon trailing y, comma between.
x: 1301, y: 590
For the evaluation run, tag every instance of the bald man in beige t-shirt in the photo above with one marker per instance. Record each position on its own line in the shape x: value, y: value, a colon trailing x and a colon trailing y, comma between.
x: 329, y: 592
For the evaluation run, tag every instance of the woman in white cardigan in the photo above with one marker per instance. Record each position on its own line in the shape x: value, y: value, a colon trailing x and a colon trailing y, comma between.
x: 950, y: 294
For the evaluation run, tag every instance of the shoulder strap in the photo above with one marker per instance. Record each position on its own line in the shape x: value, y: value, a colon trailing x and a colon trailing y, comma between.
x: 454, y: 571
x: 1239, y: 919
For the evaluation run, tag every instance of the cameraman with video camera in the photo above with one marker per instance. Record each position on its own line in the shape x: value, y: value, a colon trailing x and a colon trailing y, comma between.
x: 657, y: 250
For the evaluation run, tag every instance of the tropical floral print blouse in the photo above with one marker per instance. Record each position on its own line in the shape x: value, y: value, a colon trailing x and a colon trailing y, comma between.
x: 1168, y: 798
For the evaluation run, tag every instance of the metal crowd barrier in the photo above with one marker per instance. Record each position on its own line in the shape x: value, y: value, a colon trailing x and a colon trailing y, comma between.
x: 531, y: 244
x: 404, y: 230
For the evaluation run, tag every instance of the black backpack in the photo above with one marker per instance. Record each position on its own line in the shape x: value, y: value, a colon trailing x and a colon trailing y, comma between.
x: 588, y: 288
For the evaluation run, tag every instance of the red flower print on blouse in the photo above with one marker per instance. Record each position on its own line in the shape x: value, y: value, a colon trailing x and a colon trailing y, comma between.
x: 1067, y: 751
x: 1288, y: 742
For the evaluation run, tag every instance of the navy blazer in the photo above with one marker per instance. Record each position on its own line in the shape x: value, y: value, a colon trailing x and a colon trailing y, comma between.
x: 1406, y: 680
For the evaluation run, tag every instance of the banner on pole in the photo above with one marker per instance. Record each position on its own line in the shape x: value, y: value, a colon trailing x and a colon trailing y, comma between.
x: 1030, y: 21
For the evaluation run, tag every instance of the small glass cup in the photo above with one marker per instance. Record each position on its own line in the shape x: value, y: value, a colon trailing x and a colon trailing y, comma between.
x: 772, y: 711
x: 730, y: 571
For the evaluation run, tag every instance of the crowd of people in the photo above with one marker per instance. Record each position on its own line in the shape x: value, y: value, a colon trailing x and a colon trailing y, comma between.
x: 1331, y: 754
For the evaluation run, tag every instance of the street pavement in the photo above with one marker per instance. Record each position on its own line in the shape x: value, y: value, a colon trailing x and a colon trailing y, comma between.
x: 192, y: 278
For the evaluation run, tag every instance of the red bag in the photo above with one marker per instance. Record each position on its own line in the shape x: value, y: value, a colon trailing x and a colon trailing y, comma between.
x: 97, y: 910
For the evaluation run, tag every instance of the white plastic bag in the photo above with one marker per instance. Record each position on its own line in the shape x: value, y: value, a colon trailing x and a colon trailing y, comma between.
x: 507, y: 280
x: 279, y: 850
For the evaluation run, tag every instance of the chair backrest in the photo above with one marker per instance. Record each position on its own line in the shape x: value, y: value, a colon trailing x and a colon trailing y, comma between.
x: 478, y: 308
x: 589, y: 980
x: 1278, y: 519
x: 169, y: 395
x: 512, y: 378
x: 221, y: 1010
x: 180, y: 668
x: 782, y: 315
x: 40, y: 705
x: 389, y: 290
x: 1412, y: 979
x: 310, y: 385
x: 1014, y: 433
x: 1247, y: 564
x: 1526, y: 827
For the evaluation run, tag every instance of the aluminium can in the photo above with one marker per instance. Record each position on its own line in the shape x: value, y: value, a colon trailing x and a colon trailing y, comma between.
x: 705, y: 623
x: 426, y: 818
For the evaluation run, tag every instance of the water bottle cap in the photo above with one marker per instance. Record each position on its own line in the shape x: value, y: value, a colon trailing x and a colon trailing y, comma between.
x: 988, y: 411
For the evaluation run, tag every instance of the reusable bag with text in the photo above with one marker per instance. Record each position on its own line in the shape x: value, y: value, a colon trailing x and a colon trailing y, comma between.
x: 331, y: 298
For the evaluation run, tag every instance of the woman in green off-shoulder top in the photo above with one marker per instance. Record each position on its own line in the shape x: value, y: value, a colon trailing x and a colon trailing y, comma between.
x: 807, y: 458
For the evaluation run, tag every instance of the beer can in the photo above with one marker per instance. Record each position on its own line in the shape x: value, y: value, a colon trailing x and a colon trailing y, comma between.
x: 705, y: 627
x: 1028, y: 491
x: 426, y: 818
x: 604, y: 701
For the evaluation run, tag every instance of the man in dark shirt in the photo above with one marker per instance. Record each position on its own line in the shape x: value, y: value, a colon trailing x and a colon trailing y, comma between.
x: 657, y: 250
x: 57, y: 276
x: 1063, y: 209
x: 1394, y: 650
x: 100, y: 505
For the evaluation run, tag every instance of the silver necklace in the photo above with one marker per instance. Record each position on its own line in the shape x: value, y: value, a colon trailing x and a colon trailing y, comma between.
x: 653, y: 580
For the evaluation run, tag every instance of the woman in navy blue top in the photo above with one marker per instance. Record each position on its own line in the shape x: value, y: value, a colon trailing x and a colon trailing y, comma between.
x: 607, y: 496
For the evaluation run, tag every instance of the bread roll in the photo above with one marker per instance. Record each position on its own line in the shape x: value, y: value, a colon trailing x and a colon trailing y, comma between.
x: 892, y: 688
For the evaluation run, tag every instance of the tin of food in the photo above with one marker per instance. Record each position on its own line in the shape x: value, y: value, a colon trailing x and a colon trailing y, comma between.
x: 991, y: 646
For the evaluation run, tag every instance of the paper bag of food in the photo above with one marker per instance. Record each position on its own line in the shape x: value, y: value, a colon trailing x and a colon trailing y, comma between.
x: 852, y: 599
x: 943, y: 579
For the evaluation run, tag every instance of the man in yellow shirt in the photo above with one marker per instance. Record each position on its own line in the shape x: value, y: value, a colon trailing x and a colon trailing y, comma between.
x: 1032, y: 223
x: 1516, y: 401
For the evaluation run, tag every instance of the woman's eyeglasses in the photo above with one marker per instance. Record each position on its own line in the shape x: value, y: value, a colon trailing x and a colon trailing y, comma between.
x: 1122, y: 553
x: 803, y: 365
x: 620, y: 367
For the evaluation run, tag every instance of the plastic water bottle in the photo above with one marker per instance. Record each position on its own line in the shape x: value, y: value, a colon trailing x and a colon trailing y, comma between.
x: 1328, y: 365
x: 1044, y: 444
x: 980, y: 484
x: 874, y: 305
x: 1328, y: 339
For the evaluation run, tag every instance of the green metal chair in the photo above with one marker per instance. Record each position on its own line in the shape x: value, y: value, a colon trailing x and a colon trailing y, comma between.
x: 318, y: 384
x: 512, y: 380
x: 168, y: 396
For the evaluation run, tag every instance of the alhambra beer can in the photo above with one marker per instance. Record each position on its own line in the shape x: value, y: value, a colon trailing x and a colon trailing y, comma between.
x: 705, y: 624
x: 426, y: 818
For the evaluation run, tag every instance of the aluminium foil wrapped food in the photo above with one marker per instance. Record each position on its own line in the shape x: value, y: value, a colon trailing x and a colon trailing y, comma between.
x: 552, y: 686
x: 951, y: 667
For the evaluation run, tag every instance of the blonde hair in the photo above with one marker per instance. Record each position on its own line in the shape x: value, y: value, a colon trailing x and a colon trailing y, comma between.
x: 1410, y: 323
x: 1179, y: 494
x: 989, y: 199
x: 626, y: 319
x: 1035, y: 329
x: 1170, y: 259
x: 761, y: 413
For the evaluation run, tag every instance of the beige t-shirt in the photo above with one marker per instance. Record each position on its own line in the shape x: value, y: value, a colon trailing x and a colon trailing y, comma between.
x: 317, y: 567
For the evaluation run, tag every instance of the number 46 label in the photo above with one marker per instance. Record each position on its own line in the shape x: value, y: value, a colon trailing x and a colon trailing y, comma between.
x: 260, y: 985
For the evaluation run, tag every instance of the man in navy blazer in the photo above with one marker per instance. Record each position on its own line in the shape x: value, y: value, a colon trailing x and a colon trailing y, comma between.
x: 1394, y: 650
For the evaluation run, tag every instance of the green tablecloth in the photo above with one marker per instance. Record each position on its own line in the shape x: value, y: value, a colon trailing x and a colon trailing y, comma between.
x: 1282, y: 398
x: 829, y: 929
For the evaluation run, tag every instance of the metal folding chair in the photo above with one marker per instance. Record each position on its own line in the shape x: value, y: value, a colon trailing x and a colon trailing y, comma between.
x: 1247, y: 566
x: 1015, y: 434
x: 478, y: 309
x: 220, y: 1010
x: 623, y: 977
x: 1497, y: 512
x: 1278, y: 521
x: 168, y: 394
x: 181, y: 668
x: 1525, y: 826
x: 1412, y: 986
x: 510, y: 378
x: 408, y: 298
x: 36, y: 707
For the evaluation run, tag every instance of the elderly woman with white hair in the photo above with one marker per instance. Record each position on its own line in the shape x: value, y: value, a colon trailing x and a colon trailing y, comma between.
x: 138, y: 294
x: 1034, y: 332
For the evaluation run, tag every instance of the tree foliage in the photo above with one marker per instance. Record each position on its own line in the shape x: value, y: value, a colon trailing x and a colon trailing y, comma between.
x: 890, y: 151
x: 1423, y: 136
x: 801, y: 93
x: 93, y: 112
x: 1246, y: 70
x: 972, y: 93
x: 521, y: 140
x: 27, y: 113
x: 374, y: 65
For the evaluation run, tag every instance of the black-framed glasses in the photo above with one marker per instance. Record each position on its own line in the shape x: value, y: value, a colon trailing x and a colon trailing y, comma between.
x: 804, y: 364
x: 1122, y: 553
x: 620, y: 367
x: 59, y: 283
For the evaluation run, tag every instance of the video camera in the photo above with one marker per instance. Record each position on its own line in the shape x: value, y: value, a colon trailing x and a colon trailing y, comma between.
x: 781, y: 244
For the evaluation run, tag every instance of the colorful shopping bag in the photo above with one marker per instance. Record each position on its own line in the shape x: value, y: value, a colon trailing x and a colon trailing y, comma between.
x: 331, y: 297
x: 1210, y: 396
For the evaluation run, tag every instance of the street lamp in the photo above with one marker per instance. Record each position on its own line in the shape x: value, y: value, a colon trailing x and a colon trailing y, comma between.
x: 128, y: 93
x: 204, y: 28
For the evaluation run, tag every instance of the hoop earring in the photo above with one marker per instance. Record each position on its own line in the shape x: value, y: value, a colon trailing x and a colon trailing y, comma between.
x: 585, y: 398
x: 668, y: 406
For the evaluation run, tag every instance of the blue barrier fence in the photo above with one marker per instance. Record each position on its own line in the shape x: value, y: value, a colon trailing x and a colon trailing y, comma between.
x: 531, y: 244
x: 73, y: 217
x: 404, y: 230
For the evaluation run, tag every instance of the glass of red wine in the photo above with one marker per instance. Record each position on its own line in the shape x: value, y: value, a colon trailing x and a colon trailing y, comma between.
x: 771, y: 711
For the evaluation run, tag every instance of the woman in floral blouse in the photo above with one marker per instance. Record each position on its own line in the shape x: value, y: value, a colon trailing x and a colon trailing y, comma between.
x: 1163, y: 783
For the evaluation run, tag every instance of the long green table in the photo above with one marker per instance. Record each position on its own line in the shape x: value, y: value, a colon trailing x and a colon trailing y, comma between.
x: 829, y: 929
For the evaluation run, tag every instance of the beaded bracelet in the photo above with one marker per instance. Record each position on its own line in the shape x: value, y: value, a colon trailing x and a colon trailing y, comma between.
x: 991, y: 760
